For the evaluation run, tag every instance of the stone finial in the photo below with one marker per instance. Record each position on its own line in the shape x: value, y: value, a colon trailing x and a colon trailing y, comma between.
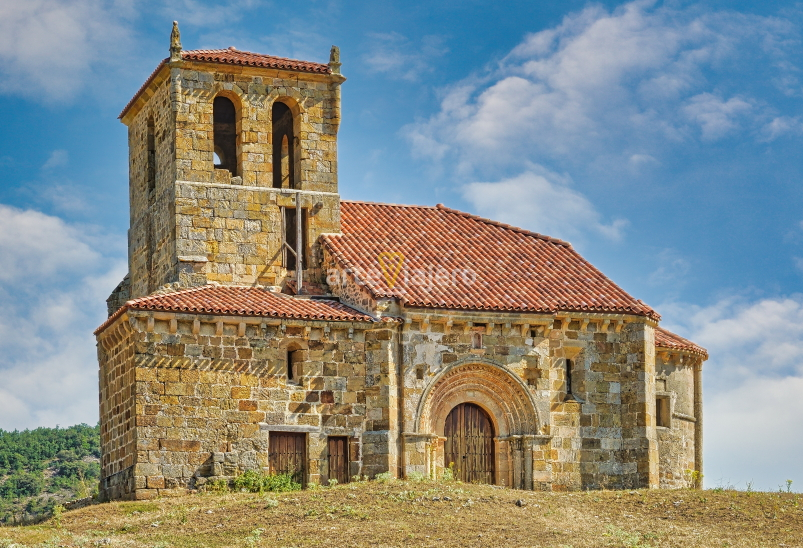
x: 175, y: 44
x: 334, y: 60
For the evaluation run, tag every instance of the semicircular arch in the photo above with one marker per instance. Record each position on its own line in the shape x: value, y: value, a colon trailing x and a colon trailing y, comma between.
x: 502, y: 394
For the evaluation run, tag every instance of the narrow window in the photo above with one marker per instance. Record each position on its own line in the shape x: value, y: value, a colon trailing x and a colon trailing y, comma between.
x: 283, y: 145
x: 294, y: 359
x: 290, y: 238
x: 662, y: 411
x: 569, y: 367
x: 150, y: 160
x: 225, y: 134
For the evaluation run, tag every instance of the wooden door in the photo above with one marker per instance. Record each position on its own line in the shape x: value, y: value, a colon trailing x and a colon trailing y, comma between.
x: 288, y: 455
x: 339, y: 458
x: 470, y: 444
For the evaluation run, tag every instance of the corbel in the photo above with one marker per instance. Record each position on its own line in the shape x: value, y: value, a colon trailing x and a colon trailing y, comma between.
x: 584, y: 325
x: 619, y: 325
x: 525, y: 330
x: 196, y: 326
x: 351, y: 332
x: 489, y: 328
x: 150, y: 325
x: 467, y: 328
x: 219, y: 328
x: 605, y: 324
x: 307, y: 330
x: 173, y: 325
x: 447, y: 328
x: 425, y: 324
x: 283, y: 328
x: 241, y: 329
x: 326, y: 331
x: 665, y: 357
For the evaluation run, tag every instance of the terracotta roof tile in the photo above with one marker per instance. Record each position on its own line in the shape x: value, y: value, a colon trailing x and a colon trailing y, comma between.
x: 242, y: 301
x: 667, y: 339
x: 232, y: 56
x: 515, y: 270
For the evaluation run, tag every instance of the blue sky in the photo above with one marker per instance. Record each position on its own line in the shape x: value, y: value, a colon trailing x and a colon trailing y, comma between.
x: 661, y: 138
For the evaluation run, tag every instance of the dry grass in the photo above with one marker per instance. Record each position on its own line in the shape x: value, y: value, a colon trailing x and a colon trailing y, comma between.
x: 432, y: 515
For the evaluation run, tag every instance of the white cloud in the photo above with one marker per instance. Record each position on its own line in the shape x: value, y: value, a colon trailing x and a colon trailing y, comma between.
x: 543, y: 202
x: 637, y: 78
x: 54, y: 279
x: 57, y: 158
x: 34, y: 247
x: 398, y: 57
x: 48, y: 48
x: 782, y: 125
x: 752, y: 386
x: 715, y: 116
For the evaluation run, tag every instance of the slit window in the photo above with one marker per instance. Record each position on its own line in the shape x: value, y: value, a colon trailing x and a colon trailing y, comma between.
x: 662, y: 412
x: 150, y: 160
x: 283, y: 146
x: 569, y: 368
x: 225, y: 134
x: 291, y: 238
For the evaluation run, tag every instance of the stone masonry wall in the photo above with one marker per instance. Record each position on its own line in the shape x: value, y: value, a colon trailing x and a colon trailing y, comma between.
x: 577, y: 444
x: 238, y: 230
x: 117, y: 411
x: 211, y: 389
x: 151, y: 237
x: 675, y: 380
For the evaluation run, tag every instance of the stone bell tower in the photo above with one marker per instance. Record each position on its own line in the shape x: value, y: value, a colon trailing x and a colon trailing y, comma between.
x: 232, y: 170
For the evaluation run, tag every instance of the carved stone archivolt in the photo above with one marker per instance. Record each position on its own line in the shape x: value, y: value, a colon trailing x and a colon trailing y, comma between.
x: 491, y: 386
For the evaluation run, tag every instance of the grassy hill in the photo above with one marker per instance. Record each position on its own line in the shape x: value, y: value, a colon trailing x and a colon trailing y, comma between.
x: 407, y: 513
x: 42, y: 468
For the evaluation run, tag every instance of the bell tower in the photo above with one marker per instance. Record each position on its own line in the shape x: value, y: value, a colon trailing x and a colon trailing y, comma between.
x: 232, y: 170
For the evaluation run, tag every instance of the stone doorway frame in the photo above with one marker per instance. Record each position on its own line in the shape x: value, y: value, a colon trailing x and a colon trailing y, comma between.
x: 503, y: 396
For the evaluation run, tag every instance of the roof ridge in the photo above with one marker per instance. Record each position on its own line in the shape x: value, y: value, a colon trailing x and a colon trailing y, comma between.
x: 235, y: 50
x: 367, y: 202
x: 506, y: 226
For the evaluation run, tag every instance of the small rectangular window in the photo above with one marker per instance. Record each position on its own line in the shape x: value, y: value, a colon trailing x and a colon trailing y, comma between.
x: 294, y: 364
x: 662, y: 413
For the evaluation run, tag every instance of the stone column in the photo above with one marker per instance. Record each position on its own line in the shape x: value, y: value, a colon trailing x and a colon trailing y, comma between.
x: 528, y: 461
x: 698, y: 424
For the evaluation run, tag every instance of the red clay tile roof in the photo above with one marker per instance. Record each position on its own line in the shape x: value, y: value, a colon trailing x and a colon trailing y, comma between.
x: 667, y: 339
x: 241, y: 301
x: 516, y: 270
x: 233, y: 56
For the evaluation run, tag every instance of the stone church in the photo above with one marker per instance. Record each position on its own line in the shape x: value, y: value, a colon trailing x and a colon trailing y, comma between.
x: 267, y: 324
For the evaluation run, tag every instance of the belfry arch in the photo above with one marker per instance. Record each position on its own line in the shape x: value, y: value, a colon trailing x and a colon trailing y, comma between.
x: 506, y: 401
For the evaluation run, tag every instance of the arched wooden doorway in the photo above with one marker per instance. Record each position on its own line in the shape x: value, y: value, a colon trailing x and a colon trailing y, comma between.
x: 470, y: 444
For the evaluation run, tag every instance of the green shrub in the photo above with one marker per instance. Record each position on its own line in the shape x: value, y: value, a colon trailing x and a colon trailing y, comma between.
x: 260, y: 482
x: 383, y: 477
